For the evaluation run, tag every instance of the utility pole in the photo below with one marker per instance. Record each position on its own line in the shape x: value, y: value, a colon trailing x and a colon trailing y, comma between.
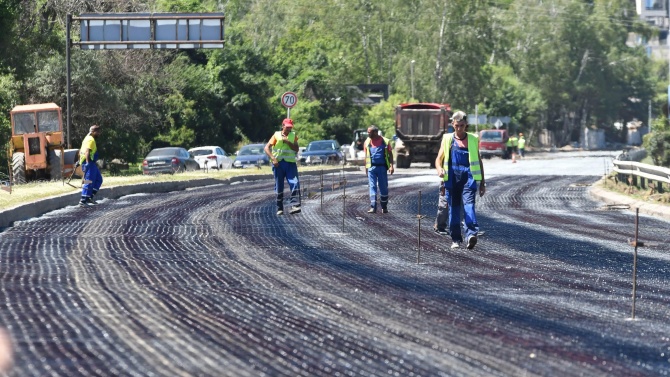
x: 649, y: 121
x: 411, y: 73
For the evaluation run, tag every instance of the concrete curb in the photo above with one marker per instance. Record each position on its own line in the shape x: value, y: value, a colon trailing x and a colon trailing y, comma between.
x: 42, y: 206
x: 611, y: 198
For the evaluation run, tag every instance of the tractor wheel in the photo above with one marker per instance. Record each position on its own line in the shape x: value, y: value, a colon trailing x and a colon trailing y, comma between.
x: 19, y: 168
x: 55, y: 169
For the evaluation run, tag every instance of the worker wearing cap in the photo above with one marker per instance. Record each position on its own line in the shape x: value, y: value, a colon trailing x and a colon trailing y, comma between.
x: 522, y: 145
x: 282, y: 150
x: 378, y: 164
x: 88, y: 156
x: 459, y: 165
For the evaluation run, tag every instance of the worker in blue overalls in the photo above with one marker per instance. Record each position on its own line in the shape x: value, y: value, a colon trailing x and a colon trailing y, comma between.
x: 282, y: 150
x: 378, y: 164
x: 88, y: 156
x: 459, y: 165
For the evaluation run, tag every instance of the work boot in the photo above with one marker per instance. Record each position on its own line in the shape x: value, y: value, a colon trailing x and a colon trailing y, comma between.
x: 455, y: 245
x: 372, y: 210
x: 84, y: 204
x: 472, y: 241
x: 280, y: 212
x: 295, y: 209
x: 91, y: 201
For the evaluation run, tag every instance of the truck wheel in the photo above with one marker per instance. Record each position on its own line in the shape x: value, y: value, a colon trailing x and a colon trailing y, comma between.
x: 402, y: 162
x: 19, y: 168
x: 55, y: 169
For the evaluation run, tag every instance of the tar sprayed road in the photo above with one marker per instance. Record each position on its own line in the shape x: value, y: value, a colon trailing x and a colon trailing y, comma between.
x: 210, y: 282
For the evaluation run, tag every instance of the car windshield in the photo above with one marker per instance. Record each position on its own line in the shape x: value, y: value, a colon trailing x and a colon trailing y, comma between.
x: 321, y: 146
x: 492, y: 136
x: 251, y: 150
x: 202, y: 152
x: 164, y: 152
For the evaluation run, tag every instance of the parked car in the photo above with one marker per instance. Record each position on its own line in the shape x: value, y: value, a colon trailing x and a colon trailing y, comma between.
x: 493, y: 143
x: 251, y: 155
x: 322, y: 152
x: 211, y: 157
x: 168, y: 160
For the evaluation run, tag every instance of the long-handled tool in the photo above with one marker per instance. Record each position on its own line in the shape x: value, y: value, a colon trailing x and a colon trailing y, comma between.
x: 74, y: 169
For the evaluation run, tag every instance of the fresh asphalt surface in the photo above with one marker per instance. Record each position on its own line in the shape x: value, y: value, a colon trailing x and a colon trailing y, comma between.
x: 210, y: 282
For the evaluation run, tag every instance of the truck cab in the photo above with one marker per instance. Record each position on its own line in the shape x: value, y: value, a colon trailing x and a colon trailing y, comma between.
x: 493, y: 143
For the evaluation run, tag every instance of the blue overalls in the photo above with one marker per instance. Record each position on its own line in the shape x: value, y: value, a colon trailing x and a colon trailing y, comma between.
x: 377, y: 176
x: 289, y: 171
x: 92, y: 174
x: 461, y: 189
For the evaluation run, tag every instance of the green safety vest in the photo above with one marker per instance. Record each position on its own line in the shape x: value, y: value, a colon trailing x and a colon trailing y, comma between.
x: 512, y: 142
x: 281, y: 150
x: 473, y: 155
x: 368, y: 158
x: 522, y: 142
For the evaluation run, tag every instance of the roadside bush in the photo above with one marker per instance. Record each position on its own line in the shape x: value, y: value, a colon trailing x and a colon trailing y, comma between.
x: 658, y: 146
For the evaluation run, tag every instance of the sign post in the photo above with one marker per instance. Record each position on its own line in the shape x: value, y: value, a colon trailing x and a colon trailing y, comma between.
x: 288, y: 100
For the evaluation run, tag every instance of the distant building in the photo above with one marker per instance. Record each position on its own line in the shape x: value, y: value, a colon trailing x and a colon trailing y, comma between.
x: 655, y: 13
x: 370, y: 94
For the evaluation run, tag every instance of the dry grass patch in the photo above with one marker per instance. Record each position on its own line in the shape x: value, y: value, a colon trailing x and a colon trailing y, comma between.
x: 33, y: 191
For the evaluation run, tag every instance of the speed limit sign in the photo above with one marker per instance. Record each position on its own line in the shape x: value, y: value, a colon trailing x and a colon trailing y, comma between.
x: 289, y: 99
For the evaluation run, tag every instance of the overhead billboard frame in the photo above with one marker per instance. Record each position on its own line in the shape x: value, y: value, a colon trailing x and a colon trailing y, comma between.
x: 130, y: 31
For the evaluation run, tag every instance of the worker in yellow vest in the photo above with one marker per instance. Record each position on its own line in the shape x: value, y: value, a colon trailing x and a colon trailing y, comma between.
x: 522, y: 145
x: 459, y: 164
x: 282, y: 150
x: 512, y: 145
x: 88, y: 157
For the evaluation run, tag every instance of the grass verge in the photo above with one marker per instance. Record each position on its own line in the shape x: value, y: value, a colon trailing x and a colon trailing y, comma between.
x: 33, y: 191
x: 647, y: 194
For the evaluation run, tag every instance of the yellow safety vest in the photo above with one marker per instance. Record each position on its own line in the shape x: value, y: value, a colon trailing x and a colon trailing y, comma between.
x: 512, y: 142
x: 522, y: 142
x: 87, y: 143
x: 368, y: 158
x: 281, y: 150
x: 473, y: 155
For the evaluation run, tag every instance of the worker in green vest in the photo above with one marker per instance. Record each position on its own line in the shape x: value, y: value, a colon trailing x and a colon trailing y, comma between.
x: 522, y: 145
x: 460, y: 166
x: 512, y: 145
x: 282, y: 150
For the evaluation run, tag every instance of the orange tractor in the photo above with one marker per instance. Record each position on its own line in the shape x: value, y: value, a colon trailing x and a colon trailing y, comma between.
x: 36, y: 148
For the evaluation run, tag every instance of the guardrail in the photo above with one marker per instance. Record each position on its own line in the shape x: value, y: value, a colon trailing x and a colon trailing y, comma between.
x: 642, y: 171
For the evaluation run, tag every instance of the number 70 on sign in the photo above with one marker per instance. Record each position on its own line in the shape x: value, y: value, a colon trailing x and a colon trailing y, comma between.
x: 288, y: 100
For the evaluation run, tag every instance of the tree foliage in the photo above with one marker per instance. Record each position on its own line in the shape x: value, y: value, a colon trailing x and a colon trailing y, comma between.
x: 560, y: 65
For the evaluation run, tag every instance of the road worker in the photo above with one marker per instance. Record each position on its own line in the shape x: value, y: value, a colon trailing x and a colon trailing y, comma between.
x: 282, y: 150
x: 512, y: 144
x: 460, y: 166
x: 522, y: 145
x: 378, y: 164
x: 88, y: 156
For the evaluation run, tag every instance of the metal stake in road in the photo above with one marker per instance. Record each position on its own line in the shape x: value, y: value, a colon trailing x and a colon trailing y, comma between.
x: 637, y: 217
x: 418, y: 253
x: 344, y: 202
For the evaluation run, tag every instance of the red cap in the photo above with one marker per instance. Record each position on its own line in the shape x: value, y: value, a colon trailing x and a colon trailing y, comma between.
x: 287, y: 122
